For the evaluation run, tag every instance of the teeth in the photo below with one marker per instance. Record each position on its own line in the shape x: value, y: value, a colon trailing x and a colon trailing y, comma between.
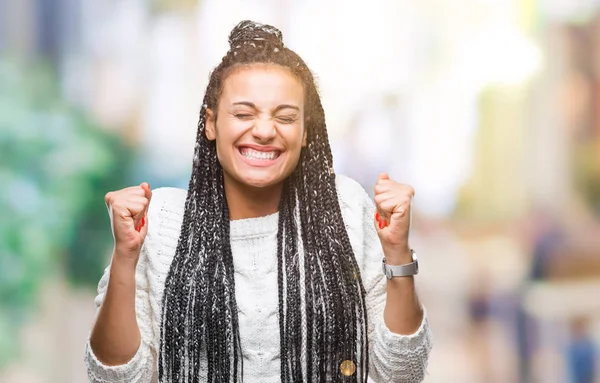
x: 257, y: 155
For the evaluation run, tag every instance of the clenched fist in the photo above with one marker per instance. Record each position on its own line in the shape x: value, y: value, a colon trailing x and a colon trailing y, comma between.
x: 392, y: 219
x: 128, y: 209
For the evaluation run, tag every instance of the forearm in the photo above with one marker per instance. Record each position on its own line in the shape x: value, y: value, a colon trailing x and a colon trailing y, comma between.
x: 116, y: 337
x: 403, y: 312
x: 401, y: 342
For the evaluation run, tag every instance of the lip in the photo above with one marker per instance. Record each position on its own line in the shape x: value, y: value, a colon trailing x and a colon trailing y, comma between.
x: 260, y: 148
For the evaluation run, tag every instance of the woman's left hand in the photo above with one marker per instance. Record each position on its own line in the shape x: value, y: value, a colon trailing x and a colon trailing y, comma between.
x: 392, y: 217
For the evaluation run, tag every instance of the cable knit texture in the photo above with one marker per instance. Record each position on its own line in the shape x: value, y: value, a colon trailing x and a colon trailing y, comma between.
x: 393, y: 357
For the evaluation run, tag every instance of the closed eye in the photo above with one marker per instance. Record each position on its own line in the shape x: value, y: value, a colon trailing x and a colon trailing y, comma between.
x: 244, y: 116
x: 286, y: 120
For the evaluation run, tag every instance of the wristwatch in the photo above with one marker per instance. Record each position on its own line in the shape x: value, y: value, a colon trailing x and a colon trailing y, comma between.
x: 401, y: 270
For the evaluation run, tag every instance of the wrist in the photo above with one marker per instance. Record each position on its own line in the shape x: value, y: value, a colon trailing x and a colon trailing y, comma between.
x: 397, y: 254
x: 126, y: 254
x: 123, y: 263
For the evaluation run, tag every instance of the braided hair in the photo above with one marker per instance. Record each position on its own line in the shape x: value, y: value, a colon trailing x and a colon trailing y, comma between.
x: 322, y: 311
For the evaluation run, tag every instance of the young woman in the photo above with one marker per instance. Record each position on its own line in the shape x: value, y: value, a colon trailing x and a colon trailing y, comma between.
x: 269, y: 268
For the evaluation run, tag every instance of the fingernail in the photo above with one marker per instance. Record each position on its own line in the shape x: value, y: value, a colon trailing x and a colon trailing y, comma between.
x: 138, y: 228
x: 377, y: 216
x: 143, y: 222
x: 381, y: 224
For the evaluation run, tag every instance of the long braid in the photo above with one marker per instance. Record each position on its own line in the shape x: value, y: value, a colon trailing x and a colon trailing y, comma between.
x: 200, y: 329
x: 281, y: 292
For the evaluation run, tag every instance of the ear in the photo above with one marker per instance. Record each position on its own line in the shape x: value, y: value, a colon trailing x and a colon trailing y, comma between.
x: 304, y: 138
x: 210, y: 128
x: 305, y: 133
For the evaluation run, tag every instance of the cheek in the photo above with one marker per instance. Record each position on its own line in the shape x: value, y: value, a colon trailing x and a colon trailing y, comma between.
x: 296, y: 151
x: 220, y: 155
x: 226, y: 135
x: 225, y: 154
x: 296, y: 138
x: 222, y: 147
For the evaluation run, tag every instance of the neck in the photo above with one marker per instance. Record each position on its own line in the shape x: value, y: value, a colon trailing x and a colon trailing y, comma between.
x: 250, y: 202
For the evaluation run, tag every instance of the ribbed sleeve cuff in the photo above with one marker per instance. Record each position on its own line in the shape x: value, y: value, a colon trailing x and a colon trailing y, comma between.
x: 130, y: 372
x: 403, y: 343
x: 400, y: 358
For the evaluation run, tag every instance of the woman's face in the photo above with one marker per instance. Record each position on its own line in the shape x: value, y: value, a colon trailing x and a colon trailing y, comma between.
x: 259, y: 125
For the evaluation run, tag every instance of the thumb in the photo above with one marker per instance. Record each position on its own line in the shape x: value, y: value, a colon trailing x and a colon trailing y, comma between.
x: 141, y: 222
x: 383, y: 176
x: 148, y: 192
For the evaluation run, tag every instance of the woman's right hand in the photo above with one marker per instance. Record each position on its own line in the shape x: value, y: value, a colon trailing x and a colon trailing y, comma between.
x: 128, y: 210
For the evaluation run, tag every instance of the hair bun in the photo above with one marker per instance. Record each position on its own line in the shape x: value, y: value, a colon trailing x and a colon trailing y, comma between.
x: 248, y: 31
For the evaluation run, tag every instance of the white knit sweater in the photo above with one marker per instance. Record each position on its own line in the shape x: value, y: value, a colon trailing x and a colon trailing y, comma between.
x: 393, y: 357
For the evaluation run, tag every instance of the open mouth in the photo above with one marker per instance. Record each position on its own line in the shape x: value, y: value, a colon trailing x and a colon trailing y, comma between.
x: 253, y: 154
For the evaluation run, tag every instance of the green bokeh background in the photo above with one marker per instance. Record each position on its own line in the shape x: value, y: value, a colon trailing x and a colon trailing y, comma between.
x: 55, y: 166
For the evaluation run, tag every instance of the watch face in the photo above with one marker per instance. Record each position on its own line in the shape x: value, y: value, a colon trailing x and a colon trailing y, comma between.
x: 415, y: 260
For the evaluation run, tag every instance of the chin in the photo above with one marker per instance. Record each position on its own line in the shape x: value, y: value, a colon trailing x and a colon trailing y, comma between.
x: 261, y: 182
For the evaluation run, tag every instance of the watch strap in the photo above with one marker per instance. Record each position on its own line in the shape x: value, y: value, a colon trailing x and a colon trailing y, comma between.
x: 405, y: 270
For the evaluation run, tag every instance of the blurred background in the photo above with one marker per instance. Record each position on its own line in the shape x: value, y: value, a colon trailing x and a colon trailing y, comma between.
x: 489, y: 108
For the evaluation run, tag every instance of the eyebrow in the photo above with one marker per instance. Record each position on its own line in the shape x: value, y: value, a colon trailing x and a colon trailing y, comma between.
x: 279, y: 107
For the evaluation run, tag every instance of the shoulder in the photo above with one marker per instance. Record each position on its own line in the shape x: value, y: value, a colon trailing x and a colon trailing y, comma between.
x: 357, y: 209
x: 351, y: 193
x: 167, y: 199
x: 165, y: 216
x: 165, y: 213
x: 358, y: 212
x: 169, y: 196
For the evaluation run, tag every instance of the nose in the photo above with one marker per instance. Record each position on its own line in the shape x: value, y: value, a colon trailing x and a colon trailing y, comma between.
x: 264, y: 129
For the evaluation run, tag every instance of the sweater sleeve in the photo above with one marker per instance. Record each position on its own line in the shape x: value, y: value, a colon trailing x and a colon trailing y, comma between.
x: 140, y: 369
x: 143, y: 367
x: 392, y: 357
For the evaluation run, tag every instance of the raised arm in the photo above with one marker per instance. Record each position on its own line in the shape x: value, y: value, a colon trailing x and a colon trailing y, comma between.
x: 401, y: 340
x: 399, y: 335
x: 116, y: 350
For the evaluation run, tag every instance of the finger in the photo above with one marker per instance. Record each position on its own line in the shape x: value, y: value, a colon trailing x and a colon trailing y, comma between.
x: 138, y: 200
x: 401, y: 194
x: 141, y: 223
x: 381, y: 201
x: 130, y: 209
x: 379, y: 221
x: 393, y: 207
x: 383, y: 183
x: 143, y: 227
x: 137, y: 190
x: 382, y: 213
x: 381, y: 187
x: 111, y: 196
x: 389, y: 185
